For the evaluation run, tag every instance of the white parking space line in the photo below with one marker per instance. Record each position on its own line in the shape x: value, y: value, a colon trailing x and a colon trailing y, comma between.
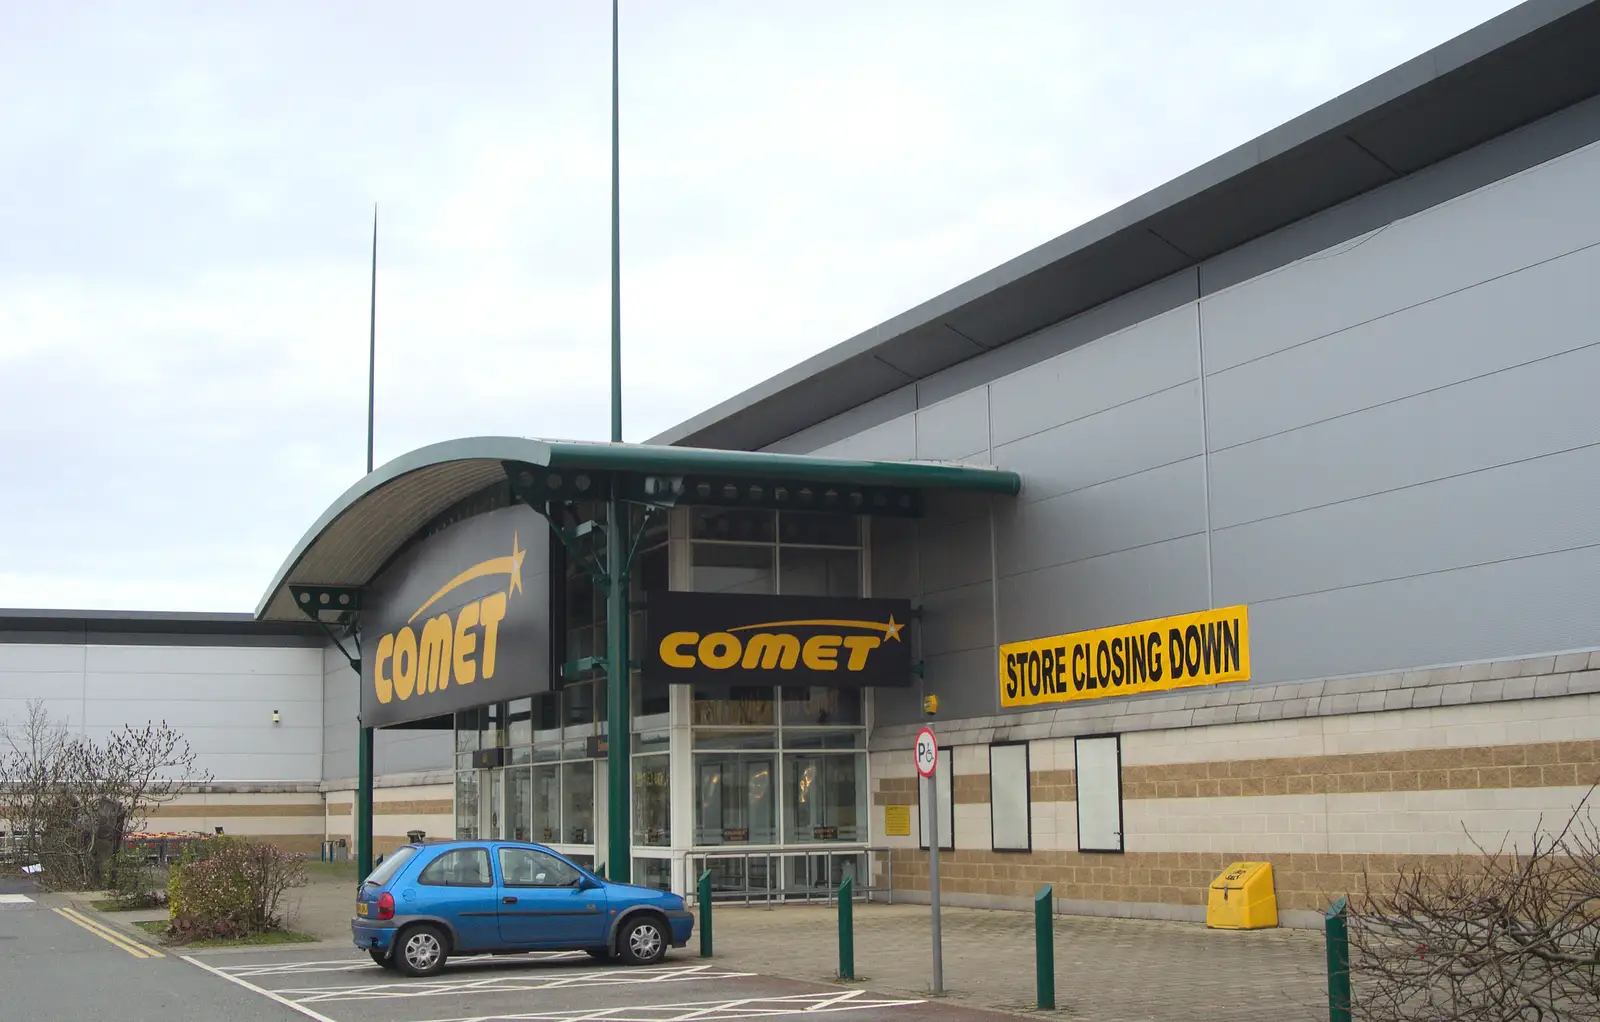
x: 15, y: 899
x: 268, y: 994
x: 365, y: 965
x: 477, y: 983
x: 830, y: 1001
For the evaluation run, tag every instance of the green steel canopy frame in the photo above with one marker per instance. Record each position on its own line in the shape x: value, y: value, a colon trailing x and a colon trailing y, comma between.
x: 356, y: 535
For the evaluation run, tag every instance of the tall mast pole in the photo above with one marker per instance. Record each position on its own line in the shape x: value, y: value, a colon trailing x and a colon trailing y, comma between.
x: 365, y: 742
x: 619, y: 853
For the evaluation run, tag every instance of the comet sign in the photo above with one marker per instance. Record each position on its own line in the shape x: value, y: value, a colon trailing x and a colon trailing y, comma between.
x: 927, y: 752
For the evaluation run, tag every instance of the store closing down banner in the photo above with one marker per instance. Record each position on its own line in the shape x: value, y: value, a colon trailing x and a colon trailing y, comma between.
x: 1205, y: 648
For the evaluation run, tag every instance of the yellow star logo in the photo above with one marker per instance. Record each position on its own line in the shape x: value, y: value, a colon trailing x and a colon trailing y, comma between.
x: 892, y: 629
x: 517, y: 554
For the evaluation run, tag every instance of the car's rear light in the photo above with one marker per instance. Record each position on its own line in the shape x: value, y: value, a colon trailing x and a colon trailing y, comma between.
x: 385, y: 905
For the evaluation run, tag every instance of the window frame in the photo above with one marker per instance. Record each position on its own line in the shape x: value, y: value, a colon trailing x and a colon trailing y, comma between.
x: 437, y: 859
x: 1027, y: 797
x: 1077, y: 774
x: 504, y: 882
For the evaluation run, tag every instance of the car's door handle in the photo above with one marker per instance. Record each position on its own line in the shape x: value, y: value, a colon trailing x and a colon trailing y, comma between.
x: 508, y: 900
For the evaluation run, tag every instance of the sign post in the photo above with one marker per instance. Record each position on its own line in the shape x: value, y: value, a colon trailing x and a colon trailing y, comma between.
x: 927, y: 757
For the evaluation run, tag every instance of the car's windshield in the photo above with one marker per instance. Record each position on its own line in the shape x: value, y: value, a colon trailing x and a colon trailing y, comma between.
x: 390, y: 866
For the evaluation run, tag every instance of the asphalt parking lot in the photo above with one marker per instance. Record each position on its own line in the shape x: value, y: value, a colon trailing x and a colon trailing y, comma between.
x: 554, y: 987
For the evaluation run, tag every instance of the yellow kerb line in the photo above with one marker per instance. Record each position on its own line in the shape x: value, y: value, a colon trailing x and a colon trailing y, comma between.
x: 108, y: 935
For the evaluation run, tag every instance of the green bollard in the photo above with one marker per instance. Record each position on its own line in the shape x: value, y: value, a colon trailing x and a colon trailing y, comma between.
x: 1337, y: 928
x: 705, y: 914
x: 847, y: 933
x: 1044, y: 942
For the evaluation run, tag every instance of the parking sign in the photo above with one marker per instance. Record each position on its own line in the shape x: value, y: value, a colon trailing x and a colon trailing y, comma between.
x: 927, y: 752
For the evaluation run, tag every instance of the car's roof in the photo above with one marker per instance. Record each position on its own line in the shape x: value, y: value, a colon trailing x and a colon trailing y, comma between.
x: 463, y: 842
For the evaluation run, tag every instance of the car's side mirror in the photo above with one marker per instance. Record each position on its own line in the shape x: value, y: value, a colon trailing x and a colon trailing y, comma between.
x: 587, y: 883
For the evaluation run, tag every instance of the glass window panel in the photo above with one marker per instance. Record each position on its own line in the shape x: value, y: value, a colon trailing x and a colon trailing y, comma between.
x: 577, y: 792
x: 825, y: 797
x: 652, y: 800
x: 467, y: 728
x: 818, y: 527
x: 546, y: 711
x: 467, y: 805
x: 463, y: 867
x: 545, y: 824
x: 736, y: 706
x: 1008, y: 797
x: 658, y: 741
x: 817, y: 571
x: 706, y: 739
x: 734, y: 795
x: 519, y: 804
x: 825, y: 738
x: 655, y: 873
x: 740, y: 525
x: 731, y: 568
x: 578, y: 703
x: 529, y: 867
x: 651, y: 574
x: 819, y: 706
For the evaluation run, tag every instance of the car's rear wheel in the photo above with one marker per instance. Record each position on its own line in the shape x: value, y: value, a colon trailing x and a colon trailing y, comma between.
x: 381, y: 958
x: 643, y: 940
x: 420, y: 950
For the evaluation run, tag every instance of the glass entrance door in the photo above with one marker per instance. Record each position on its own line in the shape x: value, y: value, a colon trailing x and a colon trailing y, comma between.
x: 492, y: 804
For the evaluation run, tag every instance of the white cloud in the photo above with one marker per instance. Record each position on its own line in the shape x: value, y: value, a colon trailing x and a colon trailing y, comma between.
x: 187, y: 197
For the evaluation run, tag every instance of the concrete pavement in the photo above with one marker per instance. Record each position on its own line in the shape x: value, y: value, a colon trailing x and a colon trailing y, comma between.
x: 58, y: 968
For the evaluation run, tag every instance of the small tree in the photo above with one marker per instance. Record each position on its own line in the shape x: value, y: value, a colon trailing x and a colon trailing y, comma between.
x: 73, y: 799
x: 1503, y: 936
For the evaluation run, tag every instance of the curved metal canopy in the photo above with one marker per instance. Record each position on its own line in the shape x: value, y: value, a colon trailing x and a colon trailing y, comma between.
x: 358, y: 533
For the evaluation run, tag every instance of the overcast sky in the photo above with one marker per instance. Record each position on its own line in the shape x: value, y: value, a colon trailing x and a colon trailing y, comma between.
x: 186, y: 197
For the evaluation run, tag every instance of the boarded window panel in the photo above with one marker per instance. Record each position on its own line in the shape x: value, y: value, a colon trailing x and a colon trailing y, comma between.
x: 1008, y: 799
x: 941, y: 778
x: 1099, y: 762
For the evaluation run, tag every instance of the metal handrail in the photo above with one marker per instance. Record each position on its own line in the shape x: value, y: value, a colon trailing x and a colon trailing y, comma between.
x: 768, y: 893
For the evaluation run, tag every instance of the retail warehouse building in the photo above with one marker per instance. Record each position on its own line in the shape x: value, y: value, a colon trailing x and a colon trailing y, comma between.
x: 1254, y: 520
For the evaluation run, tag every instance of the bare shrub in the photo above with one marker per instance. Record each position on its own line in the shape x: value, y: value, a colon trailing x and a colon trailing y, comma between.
x: 1501, y: 936
x: 73, y: 799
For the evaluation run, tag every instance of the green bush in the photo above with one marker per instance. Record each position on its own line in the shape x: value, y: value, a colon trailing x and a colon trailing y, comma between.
x: 133, y: 881
x: 230, y: 888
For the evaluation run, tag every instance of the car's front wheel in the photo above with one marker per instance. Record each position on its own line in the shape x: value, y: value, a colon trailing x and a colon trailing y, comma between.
x: 381, y: 958
x: 643, y: 941
x: 420, y: 951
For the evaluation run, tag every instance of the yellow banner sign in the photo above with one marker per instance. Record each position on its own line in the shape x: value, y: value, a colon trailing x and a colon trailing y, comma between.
x: 1204, y: 648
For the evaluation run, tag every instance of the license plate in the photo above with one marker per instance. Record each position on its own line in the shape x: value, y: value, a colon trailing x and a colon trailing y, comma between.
x: 361, y: 908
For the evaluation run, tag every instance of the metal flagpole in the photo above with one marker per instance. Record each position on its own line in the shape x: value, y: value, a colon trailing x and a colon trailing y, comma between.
x: 364, y: 747
x: 618, y: 817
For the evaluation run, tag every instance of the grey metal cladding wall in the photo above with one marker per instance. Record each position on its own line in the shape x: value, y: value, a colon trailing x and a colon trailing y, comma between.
x: 1527, y: 508
x: 1520, y: 413
x: 1151, y: 356
x: 1472, y: 332
x: 1137, y: 510
x: 1542, y: 213
x: 954, y: 430
x: 1493, y: 611
x: 1139, y: 435
x: 340, y: 689
x: 1130, y: 585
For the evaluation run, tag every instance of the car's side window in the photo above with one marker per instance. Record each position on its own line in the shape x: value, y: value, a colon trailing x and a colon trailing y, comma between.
x: 461, y: 867
x: 529, y: 867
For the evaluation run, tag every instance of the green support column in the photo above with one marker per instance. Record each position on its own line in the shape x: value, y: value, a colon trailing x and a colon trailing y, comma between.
x: 1338, y: 937
x: 847, y: 929
x: 705, y: 914
x: 1044, y: 945
x: 619, y: 849
x: 364, y: 804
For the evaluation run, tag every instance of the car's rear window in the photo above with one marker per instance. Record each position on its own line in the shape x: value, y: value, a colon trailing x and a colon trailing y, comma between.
x: 390, y: 866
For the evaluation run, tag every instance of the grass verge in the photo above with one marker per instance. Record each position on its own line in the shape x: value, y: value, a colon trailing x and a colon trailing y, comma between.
x: 158, y: 928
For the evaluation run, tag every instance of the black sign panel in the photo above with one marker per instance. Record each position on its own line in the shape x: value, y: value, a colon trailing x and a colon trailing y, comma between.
x: 739, y: 639
x: 459, y: 620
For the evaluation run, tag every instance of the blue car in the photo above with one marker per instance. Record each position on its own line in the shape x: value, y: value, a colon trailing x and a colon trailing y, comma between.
x: 429, y: 901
